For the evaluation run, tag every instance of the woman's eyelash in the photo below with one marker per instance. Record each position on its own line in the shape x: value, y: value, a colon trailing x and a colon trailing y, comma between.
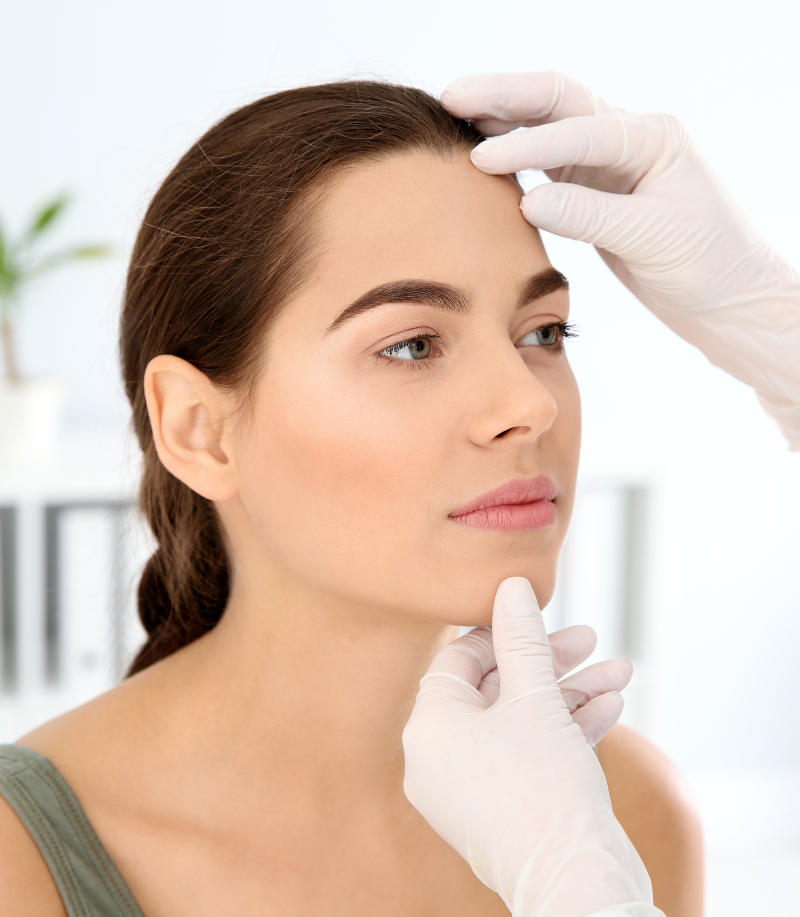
x: 565, y: 330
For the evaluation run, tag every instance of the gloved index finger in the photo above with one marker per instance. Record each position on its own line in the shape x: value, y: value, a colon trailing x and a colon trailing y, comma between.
x: 525, y: 99
x: 521, y: 644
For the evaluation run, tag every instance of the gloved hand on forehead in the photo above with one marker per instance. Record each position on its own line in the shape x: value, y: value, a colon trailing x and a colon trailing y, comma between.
x: 637, y: 188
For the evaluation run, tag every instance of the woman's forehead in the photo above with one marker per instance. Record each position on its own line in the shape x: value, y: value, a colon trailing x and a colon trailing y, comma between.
x: 420, y: 212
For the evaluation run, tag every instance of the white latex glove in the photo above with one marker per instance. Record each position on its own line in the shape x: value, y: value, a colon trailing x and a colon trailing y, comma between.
x: 501, y: 771
x: 570, y: 647
x: 636, y: 187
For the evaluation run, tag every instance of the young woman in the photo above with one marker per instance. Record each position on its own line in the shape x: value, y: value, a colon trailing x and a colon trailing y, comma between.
x: 336, y: 331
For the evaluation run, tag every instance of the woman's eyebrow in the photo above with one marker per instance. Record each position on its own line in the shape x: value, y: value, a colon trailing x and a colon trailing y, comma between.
x: 443, y: 296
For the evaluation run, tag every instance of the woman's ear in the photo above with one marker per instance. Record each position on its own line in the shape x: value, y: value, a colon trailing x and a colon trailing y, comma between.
x: 190, y: 421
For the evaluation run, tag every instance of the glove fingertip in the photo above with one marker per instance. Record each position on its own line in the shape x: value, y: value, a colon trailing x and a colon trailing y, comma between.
x: 597, y: 716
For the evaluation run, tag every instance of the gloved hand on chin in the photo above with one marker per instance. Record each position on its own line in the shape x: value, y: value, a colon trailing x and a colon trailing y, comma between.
x: 498, y: 766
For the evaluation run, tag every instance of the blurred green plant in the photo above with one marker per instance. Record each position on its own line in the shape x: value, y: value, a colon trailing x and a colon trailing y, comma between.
x: 17, y: 269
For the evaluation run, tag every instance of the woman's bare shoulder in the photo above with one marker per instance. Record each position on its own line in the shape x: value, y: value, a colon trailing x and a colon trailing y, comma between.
x: 97, y: 745
x: 73, y: 731
x: 653, y: 802
x: 118, y: 716
x: 628, y: 753
x: 91, y: 747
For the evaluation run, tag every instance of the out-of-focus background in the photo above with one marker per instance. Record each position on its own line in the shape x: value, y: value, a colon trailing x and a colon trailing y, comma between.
x: 684, y: 548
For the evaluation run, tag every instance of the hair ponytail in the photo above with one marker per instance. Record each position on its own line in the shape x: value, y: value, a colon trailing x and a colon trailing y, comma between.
x: 184, y: 585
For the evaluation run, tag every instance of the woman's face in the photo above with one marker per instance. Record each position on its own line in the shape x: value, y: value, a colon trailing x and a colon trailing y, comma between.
x: 356, y: 458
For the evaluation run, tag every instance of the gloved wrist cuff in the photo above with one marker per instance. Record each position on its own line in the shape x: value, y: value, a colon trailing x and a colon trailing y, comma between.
x: 598, y: 866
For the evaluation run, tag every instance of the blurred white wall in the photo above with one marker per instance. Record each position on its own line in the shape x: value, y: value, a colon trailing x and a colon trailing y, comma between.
x: 102, y: 99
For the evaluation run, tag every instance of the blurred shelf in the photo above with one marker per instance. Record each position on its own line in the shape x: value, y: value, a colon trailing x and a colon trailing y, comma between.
x: 67, y: 519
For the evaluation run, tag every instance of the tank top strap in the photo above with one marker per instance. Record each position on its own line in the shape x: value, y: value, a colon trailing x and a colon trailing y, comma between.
x: 87, y: 878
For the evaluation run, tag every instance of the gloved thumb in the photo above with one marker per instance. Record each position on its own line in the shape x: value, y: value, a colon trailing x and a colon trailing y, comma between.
x: 601, y: 218
x: 521, y: 645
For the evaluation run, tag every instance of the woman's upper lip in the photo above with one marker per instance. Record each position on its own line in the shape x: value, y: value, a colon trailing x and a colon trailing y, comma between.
x: 518, y: 490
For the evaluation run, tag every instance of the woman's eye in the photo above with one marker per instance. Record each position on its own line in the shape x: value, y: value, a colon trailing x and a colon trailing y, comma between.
x: 421, y: 358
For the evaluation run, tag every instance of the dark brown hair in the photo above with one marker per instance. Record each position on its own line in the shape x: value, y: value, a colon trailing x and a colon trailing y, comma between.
x: 229, y: 237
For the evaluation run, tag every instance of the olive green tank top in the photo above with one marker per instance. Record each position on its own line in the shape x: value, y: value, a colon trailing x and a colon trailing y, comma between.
x: 89, y: 882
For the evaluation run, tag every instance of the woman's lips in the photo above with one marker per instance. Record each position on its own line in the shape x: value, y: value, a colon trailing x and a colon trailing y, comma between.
x: 511, y: 518
x: 518, y: 490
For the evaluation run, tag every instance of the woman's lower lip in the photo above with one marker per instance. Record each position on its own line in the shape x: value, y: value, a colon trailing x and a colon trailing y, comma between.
x: 509, y: 518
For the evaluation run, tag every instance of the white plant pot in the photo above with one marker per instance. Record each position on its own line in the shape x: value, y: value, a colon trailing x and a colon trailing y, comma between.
x: 31, y: 412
